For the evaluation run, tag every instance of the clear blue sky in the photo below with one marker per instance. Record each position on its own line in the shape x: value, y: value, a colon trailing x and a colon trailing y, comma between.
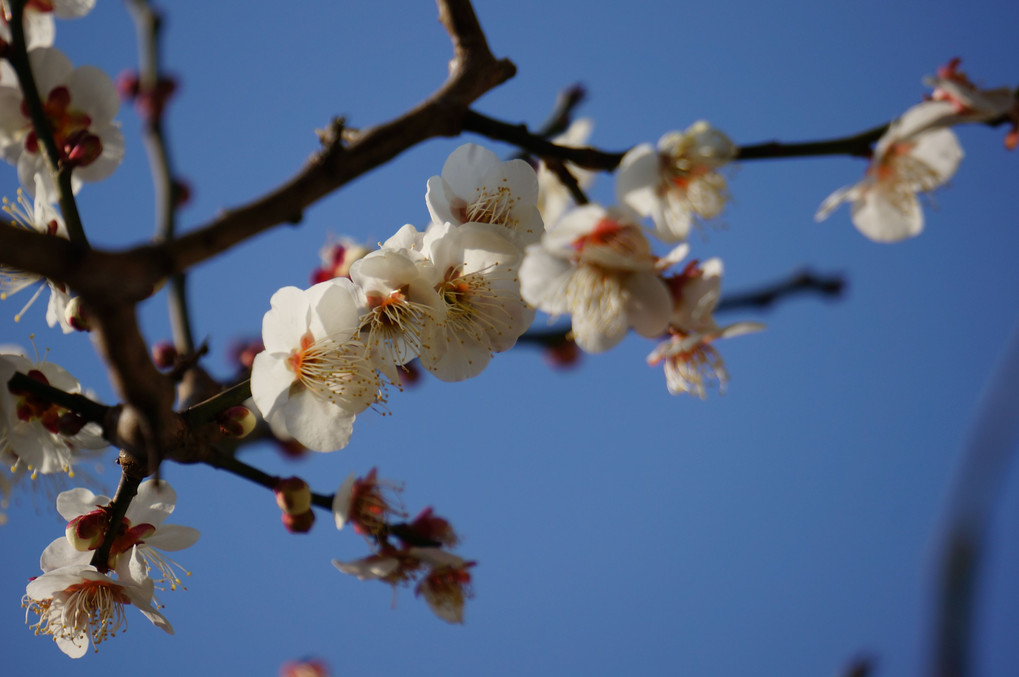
x: 782, y: 528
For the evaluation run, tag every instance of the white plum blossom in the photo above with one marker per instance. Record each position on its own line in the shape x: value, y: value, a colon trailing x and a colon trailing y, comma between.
x: 40, y: 217
x: 80, y: 104
x: 477, y: 186
x: 76, y: 604
x: 42, y: 437
x: 691, y: 362
x: 402, y: 314
x: 481, y: 291
x: 553, y: 197
x: 596, y: 265
x: 678, y: 180
x: 916, y: 154
x: 38, y: 19
x: 314, y: 375
x: 142, y: 530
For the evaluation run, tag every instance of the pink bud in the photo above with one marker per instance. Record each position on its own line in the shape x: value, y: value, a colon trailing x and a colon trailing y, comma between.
x: 76, y: 315
x: 299, y: 524
x: 305, y: 668
x: 164, y: 354
x: 236, y: 422
x: 293, y: 496
x: 86, y: 532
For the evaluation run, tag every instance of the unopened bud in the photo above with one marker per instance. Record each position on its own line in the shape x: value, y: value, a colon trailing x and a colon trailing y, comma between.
x: 562, y: 354
x: 164, y: 354
x: 305, y: 668
x: 76, y: 315
x: 299, y: 524
x: 127, y: 85
x: 181, y: 193
x: 293, y: 495
x: 86, y: 532
x: 237, y: 422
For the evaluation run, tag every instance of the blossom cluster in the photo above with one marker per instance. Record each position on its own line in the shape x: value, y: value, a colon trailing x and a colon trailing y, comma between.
x: 78, y: 602
x: 370, y: 505
x: 79, y: 106
x: 919, y: 152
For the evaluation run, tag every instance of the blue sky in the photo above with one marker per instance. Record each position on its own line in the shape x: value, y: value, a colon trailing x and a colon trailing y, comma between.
x: 782, y: 528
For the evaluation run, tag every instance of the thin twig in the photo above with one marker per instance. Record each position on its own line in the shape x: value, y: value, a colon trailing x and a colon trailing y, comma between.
x: 131, y: 475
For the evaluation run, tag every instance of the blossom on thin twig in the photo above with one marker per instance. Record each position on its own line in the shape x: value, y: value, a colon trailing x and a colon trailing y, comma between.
x: 917, y: 154
x: 477, y: 186
x: 141, y: 530
x: 678, y: 181
x: 76, y: 604
x: 596, y: 265
x: 80, y: 104
x: 314, y: 376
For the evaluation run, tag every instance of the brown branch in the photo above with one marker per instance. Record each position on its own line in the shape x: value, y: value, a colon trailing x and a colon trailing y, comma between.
x: 473, y: 72
x: 131, y: 475
x: 61, y: 173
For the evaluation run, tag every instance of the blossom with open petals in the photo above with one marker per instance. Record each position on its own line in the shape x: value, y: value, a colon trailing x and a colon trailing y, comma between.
x: 678, y: 180
x: 368, y: 503
x: 597, y: 266
x: 76, y: 604
x: 916, y: 154
x: 88, y: 516
x: 314, y: 375
x: 477, y: 186
x: 402, y: 314
x: 480, y: 289
x: 40, y: 217
x: 80, y: 104
x: 42, y: 437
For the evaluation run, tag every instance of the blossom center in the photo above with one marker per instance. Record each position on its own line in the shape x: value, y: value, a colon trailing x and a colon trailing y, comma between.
x: 335, y: 370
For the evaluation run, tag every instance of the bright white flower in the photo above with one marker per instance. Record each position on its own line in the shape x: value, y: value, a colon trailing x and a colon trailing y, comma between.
x: 477, y: 186
x: 43, y: 437
x: 692, y: 364
x: 677, y: 181
x: 553, y: 197
x: 77, y: 603
x: 916, y: 154
x: 80, y: 104
x: 973, y: 104
x: 40, y: 29
x: 597, y: 266
x: 41, y: 217
x: 88, y: 521
x: 402, y: 314
x: 314, y: 376
x: 481, y: 291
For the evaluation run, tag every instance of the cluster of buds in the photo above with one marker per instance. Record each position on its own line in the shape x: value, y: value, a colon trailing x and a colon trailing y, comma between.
x: 369, y: 505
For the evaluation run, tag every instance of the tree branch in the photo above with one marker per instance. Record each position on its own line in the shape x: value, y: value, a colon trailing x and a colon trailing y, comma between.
x: 473, y: 71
